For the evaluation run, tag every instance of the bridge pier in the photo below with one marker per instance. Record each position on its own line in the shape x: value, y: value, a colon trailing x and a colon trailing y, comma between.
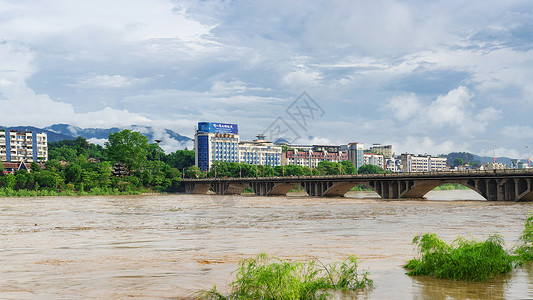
x: 226, y: 188
x: 328, y: 188
x: 197, y: 188
x: 272, y: 188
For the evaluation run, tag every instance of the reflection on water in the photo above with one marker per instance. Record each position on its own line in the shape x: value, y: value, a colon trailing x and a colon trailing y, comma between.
x: 172, y: 246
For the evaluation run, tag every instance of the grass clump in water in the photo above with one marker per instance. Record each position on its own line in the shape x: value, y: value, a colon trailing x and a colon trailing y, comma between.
x: 464, y: 259
x: 265, y: 277
x: 525, y: 250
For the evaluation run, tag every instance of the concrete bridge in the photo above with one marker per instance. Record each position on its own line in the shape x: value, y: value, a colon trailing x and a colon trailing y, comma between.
x: 499, y: 185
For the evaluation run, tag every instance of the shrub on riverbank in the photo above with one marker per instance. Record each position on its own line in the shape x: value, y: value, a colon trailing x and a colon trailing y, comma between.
x: 265, y: 277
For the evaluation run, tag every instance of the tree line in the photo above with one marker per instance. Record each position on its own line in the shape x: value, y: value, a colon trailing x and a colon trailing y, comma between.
x: 234, y: 169
x: 78, y: 167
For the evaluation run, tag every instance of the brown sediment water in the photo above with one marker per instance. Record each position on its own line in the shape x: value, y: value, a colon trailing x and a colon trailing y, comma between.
x: 170, y: 246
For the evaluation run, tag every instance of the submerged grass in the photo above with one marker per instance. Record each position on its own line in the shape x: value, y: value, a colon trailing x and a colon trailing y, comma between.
x: 470, y: 260
x: 525, y: 249
x: 265, y: 277
x: 464, y: 259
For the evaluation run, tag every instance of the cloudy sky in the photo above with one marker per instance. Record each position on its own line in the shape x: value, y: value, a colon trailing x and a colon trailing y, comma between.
x: 425, y: 76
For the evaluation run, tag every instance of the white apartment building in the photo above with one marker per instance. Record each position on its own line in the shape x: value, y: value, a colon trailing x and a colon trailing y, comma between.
x: 23, y: 146
x: 374, y: 159
x: 310, y: 158
x: 422, y: 163
x: 260, y: 152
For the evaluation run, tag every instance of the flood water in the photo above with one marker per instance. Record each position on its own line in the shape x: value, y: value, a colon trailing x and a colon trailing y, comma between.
x: 170, y: 246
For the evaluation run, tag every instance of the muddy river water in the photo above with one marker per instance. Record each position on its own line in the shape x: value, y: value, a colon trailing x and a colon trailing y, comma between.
x: 170, y: 246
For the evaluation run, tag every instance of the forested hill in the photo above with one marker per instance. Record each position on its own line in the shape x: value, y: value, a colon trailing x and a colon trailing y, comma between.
x: 59, y: 132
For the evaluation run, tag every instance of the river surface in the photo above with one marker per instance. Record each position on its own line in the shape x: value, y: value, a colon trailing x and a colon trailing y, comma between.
x: 170, y: 246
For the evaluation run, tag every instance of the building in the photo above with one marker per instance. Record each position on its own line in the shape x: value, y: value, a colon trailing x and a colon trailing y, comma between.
x: 393, y: 165
x: 422, y: 163
x: 355, y: 153
x: 260, y: 152
x: 215, y: 142
x: 385, y: 150
x: 23, y: 146
x: 492, y: 166
x: 517, y: 164
x: 311, y: 157
x: 374, y: 159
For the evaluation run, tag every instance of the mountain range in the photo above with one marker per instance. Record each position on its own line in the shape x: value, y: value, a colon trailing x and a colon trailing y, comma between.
x: 59, y: 132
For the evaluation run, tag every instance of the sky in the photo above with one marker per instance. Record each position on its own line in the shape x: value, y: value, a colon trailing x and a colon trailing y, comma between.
x: 425, y: 76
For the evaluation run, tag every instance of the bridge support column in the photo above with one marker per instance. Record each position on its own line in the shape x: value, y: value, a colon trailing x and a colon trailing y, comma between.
x: 197, y: 188
x: 225, y: 188
x: 271, y: 188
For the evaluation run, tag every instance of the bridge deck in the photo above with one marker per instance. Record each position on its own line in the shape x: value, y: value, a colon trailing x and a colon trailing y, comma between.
x: 511, y: 185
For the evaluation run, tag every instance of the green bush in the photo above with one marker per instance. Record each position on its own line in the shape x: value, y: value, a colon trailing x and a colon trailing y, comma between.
x: 466, y: 260
x: 265, y: 277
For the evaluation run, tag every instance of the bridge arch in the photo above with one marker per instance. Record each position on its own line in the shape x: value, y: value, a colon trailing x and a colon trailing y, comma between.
x: 414, y: 189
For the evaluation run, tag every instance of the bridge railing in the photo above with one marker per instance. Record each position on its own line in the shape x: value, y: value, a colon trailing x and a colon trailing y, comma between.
x: 469, y: 173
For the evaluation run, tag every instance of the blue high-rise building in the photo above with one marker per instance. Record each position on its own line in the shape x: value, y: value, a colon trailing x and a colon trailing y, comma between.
x: 215, y: 142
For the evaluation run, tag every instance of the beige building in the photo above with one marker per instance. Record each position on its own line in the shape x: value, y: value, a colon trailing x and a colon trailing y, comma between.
x: 422, y: 163
x: 385, y: 150
x: 23, y: 146
x: 492, y: 166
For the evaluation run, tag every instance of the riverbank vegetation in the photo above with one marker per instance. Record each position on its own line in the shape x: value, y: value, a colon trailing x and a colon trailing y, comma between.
x: 468, y: 259
x: 265, y: 277
x: 128, y: 164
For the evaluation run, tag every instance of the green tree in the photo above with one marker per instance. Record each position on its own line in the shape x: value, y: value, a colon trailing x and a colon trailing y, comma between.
x: 329, y: 168
x: 180, y: 159
x: 35, y: 167
x: 47, y: 179
x: 73, y: 173
x: 369, y: 169
x: 127, y: 147
x: 458, y: 162
x: 193, y: 172
x: 348, y: 168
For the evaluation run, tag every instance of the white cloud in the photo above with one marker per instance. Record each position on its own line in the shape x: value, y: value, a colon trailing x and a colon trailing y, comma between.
x: 518, y: 132
x: 428, y: 145
x: 402, y: 107
x: 110, y: 82
x: 455, y: 110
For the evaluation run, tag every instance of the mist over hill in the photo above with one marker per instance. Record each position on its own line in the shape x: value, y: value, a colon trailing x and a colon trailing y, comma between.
x: 171, y: 141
